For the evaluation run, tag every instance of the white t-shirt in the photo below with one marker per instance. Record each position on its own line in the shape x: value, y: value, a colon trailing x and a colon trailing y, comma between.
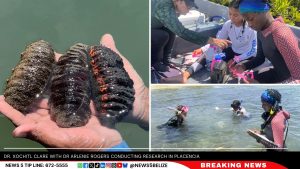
x: 243, y: 43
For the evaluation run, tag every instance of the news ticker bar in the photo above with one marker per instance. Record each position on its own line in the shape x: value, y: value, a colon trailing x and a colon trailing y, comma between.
x: 283, y: 157
x: 144, y: 165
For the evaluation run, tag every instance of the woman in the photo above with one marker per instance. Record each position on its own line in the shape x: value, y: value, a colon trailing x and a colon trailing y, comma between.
x: 275, y: 118
x: 180, y: 116
x: 165, y: 25
x: 276, y: 42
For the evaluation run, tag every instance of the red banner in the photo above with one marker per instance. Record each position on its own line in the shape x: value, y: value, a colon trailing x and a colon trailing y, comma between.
x: 231, y: 165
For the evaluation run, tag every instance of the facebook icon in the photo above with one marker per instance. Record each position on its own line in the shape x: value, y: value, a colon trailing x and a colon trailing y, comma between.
x: 85, y: 165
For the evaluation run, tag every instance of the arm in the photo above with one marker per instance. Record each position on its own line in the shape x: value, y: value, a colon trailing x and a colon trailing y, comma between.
x: 278, y: 131
x: 287, y: 44
x: 258, y: 60
x: 177, y: 112
x: 166, y: 14
x: 253, y: 49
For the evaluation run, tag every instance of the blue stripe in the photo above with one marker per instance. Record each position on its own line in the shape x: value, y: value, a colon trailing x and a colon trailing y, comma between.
x: 252, y: 51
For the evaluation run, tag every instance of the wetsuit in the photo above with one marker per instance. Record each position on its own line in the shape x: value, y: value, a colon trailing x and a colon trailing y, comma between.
x: 279, y: 45
x: 274, y: 131
x: 175, y: 121
x: 164, y: 26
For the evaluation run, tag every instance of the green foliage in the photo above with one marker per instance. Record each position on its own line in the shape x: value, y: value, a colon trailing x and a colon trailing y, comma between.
x: 296, y: 3
x: 285, y: 9
x: 298, y: 17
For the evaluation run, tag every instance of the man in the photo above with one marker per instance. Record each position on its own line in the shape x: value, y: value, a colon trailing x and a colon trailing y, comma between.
x: 165, y: 25
x: 276, y: 42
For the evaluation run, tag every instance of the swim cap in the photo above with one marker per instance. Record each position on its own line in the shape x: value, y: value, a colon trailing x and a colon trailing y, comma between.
x: 185, y: 109
x: 271, y: 96
x: 253, y: 6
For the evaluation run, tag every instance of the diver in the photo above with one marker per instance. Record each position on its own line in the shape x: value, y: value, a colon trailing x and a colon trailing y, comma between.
x: 179, y: 117
x: 239, y: 110
x: 275, y: 120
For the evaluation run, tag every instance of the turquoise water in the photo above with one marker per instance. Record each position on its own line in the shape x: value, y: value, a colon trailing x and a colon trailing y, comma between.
x: 210, y: 124
x: 64, y: 23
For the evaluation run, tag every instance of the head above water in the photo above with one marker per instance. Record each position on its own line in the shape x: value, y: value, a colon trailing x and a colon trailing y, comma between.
x: 234, y: 13
x: 183, y: 6
x: 270, y: 98
x: 236, y: 104
x: 256, y: 13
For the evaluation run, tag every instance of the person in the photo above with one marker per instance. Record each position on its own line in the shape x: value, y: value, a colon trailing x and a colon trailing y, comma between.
x: 275, y: 119
x: 39, y: 127
x: 276, y: 42
x: 165, y: 25
x: 243, y: 38
x: 180, y: 116
x: 238, y: 109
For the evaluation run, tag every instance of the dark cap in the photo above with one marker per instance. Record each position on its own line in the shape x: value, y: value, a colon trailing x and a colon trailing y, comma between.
x: 236, y: 104
x: 191, y: 3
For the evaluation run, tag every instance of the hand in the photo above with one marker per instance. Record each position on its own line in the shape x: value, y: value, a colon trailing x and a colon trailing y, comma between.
x: 231, y: 63
x: 249, y: 80
x: 239, y: 68
x: 140, y: 112
x: 237, y: 59
x: 197, y: 52
x: 38, y: 126
x: 256, y: 131
x: 221, y: 43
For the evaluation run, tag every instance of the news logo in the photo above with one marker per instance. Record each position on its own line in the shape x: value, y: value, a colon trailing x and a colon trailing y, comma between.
x: 102, y: 165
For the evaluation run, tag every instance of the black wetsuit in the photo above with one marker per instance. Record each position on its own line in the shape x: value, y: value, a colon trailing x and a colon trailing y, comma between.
x: 175, y: 121
x: 267, y: 49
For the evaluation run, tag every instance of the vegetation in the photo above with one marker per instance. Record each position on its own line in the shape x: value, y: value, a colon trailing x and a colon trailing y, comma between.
x: 288, y: 9
x: 284, y: 8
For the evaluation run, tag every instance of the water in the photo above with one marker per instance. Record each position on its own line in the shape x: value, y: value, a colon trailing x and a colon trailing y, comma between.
x: 210, y: 124
x: 64, y: 23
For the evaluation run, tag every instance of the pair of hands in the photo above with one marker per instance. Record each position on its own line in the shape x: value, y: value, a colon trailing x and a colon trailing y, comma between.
x: 238, y: 69
x: 38, y: 126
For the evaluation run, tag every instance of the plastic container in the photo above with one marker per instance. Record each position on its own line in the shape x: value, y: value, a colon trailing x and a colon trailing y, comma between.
x: 218, y: 58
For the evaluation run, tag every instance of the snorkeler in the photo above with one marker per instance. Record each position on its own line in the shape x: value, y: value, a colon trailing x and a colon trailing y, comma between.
x: 239, y: 110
